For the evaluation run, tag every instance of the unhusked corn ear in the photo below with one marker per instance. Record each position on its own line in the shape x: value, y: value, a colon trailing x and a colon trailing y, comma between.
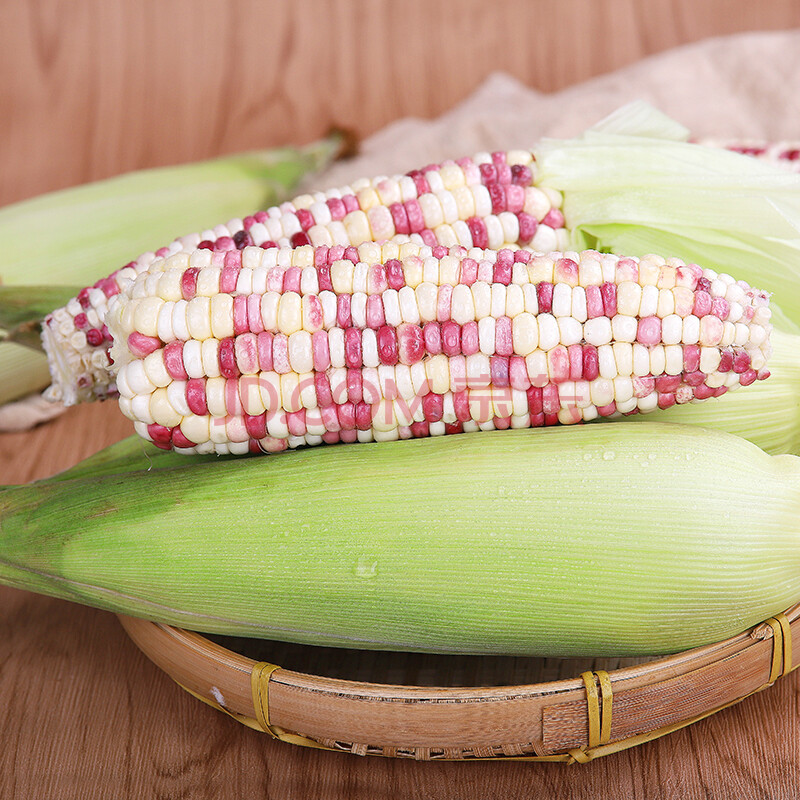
x: 261, y: 350
x: 592, y: 540
x: 490, y: 201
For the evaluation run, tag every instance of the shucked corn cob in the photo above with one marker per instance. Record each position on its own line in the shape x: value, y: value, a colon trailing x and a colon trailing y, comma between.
x: 261, y: 350
x: 488, y: 202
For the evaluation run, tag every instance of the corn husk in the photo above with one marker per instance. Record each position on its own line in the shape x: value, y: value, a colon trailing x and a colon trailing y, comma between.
x: 598, y: 540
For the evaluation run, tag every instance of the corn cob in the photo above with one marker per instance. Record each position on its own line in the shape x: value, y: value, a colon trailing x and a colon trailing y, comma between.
x: 261, y: 350
x: 489, y: 201
x: 591, y: 540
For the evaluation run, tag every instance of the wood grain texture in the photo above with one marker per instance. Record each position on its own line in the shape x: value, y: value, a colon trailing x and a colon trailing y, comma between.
x: 91, y: 88
x: 94, y: 88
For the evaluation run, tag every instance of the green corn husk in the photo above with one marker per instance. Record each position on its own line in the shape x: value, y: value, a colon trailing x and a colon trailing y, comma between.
x: 94, y: 229
x: 633, y: 185
x: 599, y: 540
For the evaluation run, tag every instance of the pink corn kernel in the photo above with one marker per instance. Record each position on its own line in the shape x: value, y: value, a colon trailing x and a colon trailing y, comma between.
x: 319, y: 350
x: 173, y: 361
x: 527, y: 227
x: 224, y: 243
x: 608, y: 410
x: 591, y: 363
x: 321, y: 256
x: 642, y: 387
x: 503, y: 270
x: 608, y: 292
x: 394, y: 274
x: 451, y: 338
x: 649, y: 331
x: 477, y: 230
x: 242, y: 239
x: 702, y: 303
x: 691, y: 358
x: 515, y: 198
x: 363, y: 416
x: 94, y: 337
x: 461, y: 405
x: 264, y: 348
x: 375, y: 315
x: 741, y: 362
x: 350, y: 203
x: 503, y: 174
x: 544, y: 297
x: 550, y: 402
x: 554, y: 218
x: 703, y: 392
x: 196, y: 396
x: 387, y: 345
x: 720, y: 390
x: 497, y: 195
x: 227, y: 279
x: 268, y: 244
x: 453, y: 427
x: 80, y: 321
x: 502, y: 423
x: 233, y: 403
x: 428, y: 237
x: 272, y: 445
x: 296, y: 422
x: 256, y: 425
x: 416, y: 220
x: 410, y: 343
x: 249, y: 221
x: 261, y: 216
x: 305, y: 218
x: 439, y: 251
x: 206, y: 244
x: 227, y: 358
x: 503, y: 341
x: 485, y: 271
x: 241, y: 322
x: 420, y: 181
x: 488, y: 173
x: 343, y: 315
x: 703, y: 284
x: 108, y: 286
x: 324, y: 278
x: 695, y: 378
x: 399, y: 218
x: 666, y: 400
x: 499, y: 371
x: 470, y: 341
x: 469, y: 271
x: 458, y: 371
x: 352, y: 348
x: 83, y: 297
x: 433, y: 407
x: 522, y: 256
x: 558, y: 364
x: 280, y: 353
x: 162, y: 252
x: 720, y: 307
x: 107, y: 337
x: 337, y: 208
x: 347, y: 417
x: 291, y: 280
x: 159, y: 434
x: 747, y: 377
x: 535, y: 400
x: 444, y: 301
x: 420, y: 430
x: 322, y: 386
x: 725, y: 361
x: 594, y: 302
x: 331, y: 437
x: 521, y: 175
x: 141, y: 345
x: 667, y: 384
x: 313, y: 315
x: 189, y: 283
x: 179, y: 440
x: 565, y: 270
x: 518, y: 373
x: 432, y: 334
x: 218, y: 258
x: 537, y: 420
x: 575, y: 355
x: 377, y: 282
x: 351, y: 254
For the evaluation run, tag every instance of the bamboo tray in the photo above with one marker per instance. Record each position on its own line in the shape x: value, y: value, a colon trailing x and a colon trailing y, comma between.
x: 514, y: 709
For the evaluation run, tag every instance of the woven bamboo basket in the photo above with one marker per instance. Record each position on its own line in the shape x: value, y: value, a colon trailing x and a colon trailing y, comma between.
x: 514, y: 709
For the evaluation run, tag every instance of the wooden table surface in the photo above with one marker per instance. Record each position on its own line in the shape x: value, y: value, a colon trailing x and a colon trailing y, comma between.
x: 94, y: 88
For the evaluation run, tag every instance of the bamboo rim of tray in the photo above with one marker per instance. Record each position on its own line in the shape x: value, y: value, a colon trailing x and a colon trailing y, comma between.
x: 571, y: 721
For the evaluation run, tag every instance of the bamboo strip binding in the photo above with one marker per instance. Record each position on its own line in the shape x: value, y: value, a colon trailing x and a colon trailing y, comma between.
x: 570, y: 721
